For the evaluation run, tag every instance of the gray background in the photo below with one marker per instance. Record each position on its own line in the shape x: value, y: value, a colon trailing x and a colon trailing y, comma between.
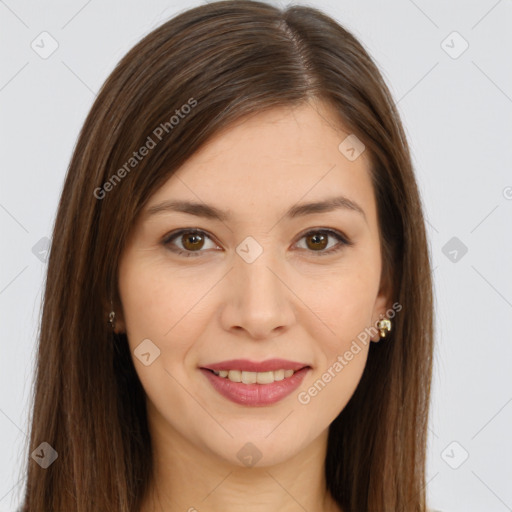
x: 457, y: 112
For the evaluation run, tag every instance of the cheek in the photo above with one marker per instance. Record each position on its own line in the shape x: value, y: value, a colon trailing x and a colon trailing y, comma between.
x: 344, y: 353
x: 157, y: 302
x: 158, y: 305
x: 345, y: 308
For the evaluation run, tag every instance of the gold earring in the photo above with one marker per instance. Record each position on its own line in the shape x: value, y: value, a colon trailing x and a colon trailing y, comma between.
x: 384, y: 327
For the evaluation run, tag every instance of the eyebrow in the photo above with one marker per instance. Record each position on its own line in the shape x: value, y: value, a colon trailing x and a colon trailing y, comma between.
x: 211, y: 212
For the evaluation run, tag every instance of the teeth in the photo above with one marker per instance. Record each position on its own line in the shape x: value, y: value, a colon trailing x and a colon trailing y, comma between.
x: 254, y: 377
x: 235, y: 375
x: 248, y: 377
x: 264, y: 378
x: 279, y: 375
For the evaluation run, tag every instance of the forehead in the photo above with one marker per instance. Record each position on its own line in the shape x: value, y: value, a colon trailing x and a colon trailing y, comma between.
x: 273, y: 159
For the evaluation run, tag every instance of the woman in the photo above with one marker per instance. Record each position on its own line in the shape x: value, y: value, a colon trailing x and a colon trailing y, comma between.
x: 238, y: 306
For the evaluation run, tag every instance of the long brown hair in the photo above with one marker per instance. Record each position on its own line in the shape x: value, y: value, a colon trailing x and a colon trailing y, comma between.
x: 225, y: 60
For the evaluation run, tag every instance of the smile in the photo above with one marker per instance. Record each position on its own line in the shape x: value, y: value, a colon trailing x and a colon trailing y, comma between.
x: 255, y: 384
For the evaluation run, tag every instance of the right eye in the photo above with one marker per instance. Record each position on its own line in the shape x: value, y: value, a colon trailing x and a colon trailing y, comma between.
x: 192, y: 241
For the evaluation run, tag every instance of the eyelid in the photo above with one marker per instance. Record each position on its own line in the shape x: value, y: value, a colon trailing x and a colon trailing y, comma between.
x: 343, y: 240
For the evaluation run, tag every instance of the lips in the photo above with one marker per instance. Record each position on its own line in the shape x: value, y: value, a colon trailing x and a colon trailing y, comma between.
x: 255, y: 383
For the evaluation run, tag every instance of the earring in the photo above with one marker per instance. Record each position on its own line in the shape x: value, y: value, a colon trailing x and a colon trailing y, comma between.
x: 384, y: 326
x: 112, y: 317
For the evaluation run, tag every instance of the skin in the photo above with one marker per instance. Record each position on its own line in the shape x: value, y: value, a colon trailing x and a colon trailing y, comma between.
x: 291, y: 303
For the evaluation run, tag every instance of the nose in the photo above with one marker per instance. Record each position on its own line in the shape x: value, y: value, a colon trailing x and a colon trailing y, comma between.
x: 259, y: 301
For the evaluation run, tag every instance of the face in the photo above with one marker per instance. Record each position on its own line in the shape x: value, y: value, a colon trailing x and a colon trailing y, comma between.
x: 249, y: 284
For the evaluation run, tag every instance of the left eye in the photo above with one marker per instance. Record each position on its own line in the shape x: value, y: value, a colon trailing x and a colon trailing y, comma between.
x: 319, y: 239
x: 192, y: 241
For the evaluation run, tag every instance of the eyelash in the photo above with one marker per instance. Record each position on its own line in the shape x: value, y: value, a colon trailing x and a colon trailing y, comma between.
x: 343, y: 241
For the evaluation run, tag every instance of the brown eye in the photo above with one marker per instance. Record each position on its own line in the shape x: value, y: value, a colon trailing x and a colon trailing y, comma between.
x: 316, y: 241
x: 188, y: 242
x: 192, y: 241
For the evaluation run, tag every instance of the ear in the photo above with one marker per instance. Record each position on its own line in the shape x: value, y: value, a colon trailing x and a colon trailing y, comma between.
x: 119, y: 323
x: 382, y: 304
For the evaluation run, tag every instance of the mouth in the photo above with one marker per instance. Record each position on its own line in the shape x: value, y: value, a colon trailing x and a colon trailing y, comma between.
x: 255, y: 384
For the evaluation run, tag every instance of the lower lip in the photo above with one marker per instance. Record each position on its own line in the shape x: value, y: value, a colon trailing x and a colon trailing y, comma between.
x: 254, y: 395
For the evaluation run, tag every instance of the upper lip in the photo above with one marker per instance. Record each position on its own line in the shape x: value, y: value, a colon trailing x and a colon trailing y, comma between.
x: 254, y: 366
